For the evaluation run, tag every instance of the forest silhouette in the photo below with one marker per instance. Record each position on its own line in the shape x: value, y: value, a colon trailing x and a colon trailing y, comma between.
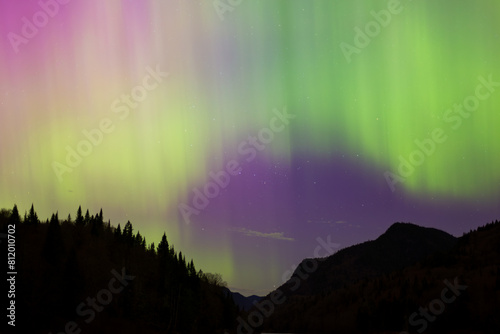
x: 85, y: 274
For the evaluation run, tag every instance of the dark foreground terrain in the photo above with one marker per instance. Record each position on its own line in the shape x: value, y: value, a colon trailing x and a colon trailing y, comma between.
x: 411, y: 279
x: 84, y: 275
x: 88, y: 275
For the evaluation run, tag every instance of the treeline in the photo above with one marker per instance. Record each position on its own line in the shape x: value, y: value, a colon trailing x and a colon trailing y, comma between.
x: 89, y: 275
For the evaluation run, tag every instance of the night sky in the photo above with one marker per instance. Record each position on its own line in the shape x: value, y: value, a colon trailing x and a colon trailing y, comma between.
x: 248, y: 131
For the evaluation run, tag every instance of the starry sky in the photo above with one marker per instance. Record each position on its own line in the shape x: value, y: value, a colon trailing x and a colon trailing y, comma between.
x: 252, y: 131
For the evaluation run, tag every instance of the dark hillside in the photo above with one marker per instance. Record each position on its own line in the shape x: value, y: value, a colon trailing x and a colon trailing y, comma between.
x: 393, y: 299
x: 403, y: 244
x: 104, y: 279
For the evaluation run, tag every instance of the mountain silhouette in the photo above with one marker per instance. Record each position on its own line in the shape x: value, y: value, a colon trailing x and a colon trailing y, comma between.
x: 401, y: 245
x: 411, y: 279
x: 243, y: 303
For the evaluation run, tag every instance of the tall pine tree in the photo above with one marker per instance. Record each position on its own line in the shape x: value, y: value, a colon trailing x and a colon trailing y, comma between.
x: 14, y: 216
x: 53, y: 249
x: 79, y: 218
x: 32, y: 218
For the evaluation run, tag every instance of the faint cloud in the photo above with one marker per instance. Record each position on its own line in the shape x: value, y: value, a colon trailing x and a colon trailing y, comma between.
x: 329, y: 222
x: 251, y: 233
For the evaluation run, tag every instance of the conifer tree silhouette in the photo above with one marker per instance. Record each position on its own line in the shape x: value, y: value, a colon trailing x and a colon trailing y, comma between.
x: 32, y: 218
x: 14, y: 216
x: 86, y: 220
x: 118, y: 233
x: 53, y: 249
x: 79, y: 218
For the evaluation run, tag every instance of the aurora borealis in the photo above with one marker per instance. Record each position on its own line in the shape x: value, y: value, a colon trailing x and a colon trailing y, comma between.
x: 152, y: 98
